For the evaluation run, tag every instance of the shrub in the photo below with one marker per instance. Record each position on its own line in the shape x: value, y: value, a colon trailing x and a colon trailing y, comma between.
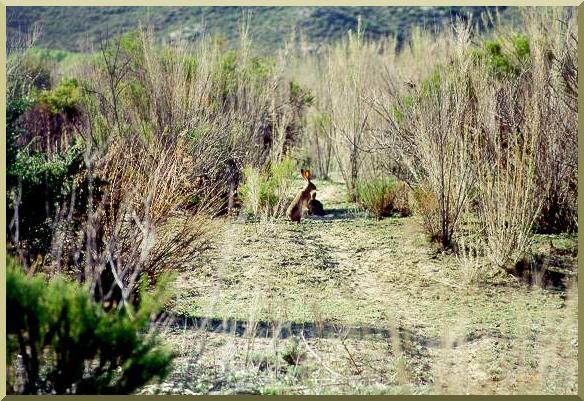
x: 293, y: 353
x: 300, y: 95
x: 31, y: 174
x: 428, y: 208
x: 403, y: 199
x: 51, y: 117
x: 66, y: 97
x: 506, y: 196
x: 497, y: 62
x: 65, y: 343
x: 384, y: 197
x: 267, y: 191
x: 521, y: 45
x: 15, y: 108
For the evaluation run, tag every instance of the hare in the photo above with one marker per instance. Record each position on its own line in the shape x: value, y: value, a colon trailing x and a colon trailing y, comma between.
x: 315, y: 207
x: 301, y: 200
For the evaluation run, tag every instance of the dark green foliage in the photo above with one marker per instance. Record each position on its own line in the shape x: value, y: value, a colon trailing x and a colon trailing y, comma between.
x: 69, y: 345
x: 14, y: 109
x: 40, y: 184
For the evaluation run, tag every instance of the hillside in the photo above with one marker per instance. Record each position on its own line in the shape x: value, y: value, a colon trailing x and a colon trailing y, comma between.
x: 70, y: 28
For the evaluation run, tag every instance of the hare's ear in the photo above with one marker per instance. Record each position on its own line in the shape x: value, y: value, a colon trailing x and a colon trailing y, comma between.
x: 303, y: 173
x: 307, y: 174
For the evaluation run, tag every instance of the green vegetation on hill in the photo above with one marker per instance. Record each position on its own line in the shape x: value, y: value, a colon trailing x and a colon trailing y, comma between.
x: 73, y: 28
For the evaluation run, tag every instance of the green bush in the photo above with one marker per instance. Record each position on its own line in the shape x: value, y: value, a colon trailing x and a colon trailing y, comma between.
x: 521, y: 45
x: 46, y: 56
x: 383, y: 197
x: 38, y: 184
x: 267, y: 190
x: 15, y: 108
x: 65, y: 343
x: 65, y: 97
x: 261, y: 69
x: 503, y: 60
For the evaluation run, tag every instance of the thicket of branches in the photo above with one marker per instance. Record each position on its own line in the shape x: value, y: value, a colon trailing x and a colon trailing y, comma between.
x: 474, y: 123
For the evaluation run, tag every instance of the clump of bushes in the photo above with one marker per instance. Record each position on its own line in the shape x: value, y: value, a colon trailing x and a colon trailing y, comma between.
x: 51, y: 117
x: 503, y: 56
x: 384, y: 197
x: 266, y: 191
x: 64, y: 97
x: 59, y: 341
x: 29, y: 175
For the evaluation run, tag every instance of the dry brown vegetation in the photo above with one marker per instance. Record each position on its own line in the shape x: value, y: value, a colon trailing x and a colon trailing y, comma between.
x: 144, y: 151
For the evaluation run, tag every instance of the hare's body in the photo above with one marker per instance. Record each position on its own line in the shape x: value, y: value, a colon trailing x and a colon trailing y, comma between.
x: 315, y: 207
x: 301, y: 200
x: 297, y: 206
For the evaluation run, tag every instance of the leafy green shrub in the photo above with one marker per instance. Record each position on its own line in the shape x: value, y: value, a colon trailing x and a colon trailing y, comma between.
x: 293, y: 353
x: 496, y: 61
x: 65, y: 343
x: 65, y: 97
x: 37, y: 184
x: 261, y: 69
x: 15, y: 108
x: 503, y: 60
x: 383, y: 197
x: 267, y: 191
x: 48, y: 56
x: 521, y: 45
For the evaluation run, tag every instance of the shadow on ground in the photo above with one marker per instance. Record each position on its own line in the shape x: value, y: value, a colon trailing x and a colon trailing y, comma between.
x: 310, y: 330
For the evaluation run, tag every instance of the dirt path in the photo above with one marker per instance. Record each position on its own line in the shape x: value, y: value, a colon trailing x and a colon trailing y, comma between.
x: 380, y: 310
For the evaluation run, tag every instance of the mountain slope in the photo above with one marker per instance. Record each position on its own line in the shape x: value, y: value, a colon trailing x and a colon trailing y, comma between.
x: 72, y: 28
